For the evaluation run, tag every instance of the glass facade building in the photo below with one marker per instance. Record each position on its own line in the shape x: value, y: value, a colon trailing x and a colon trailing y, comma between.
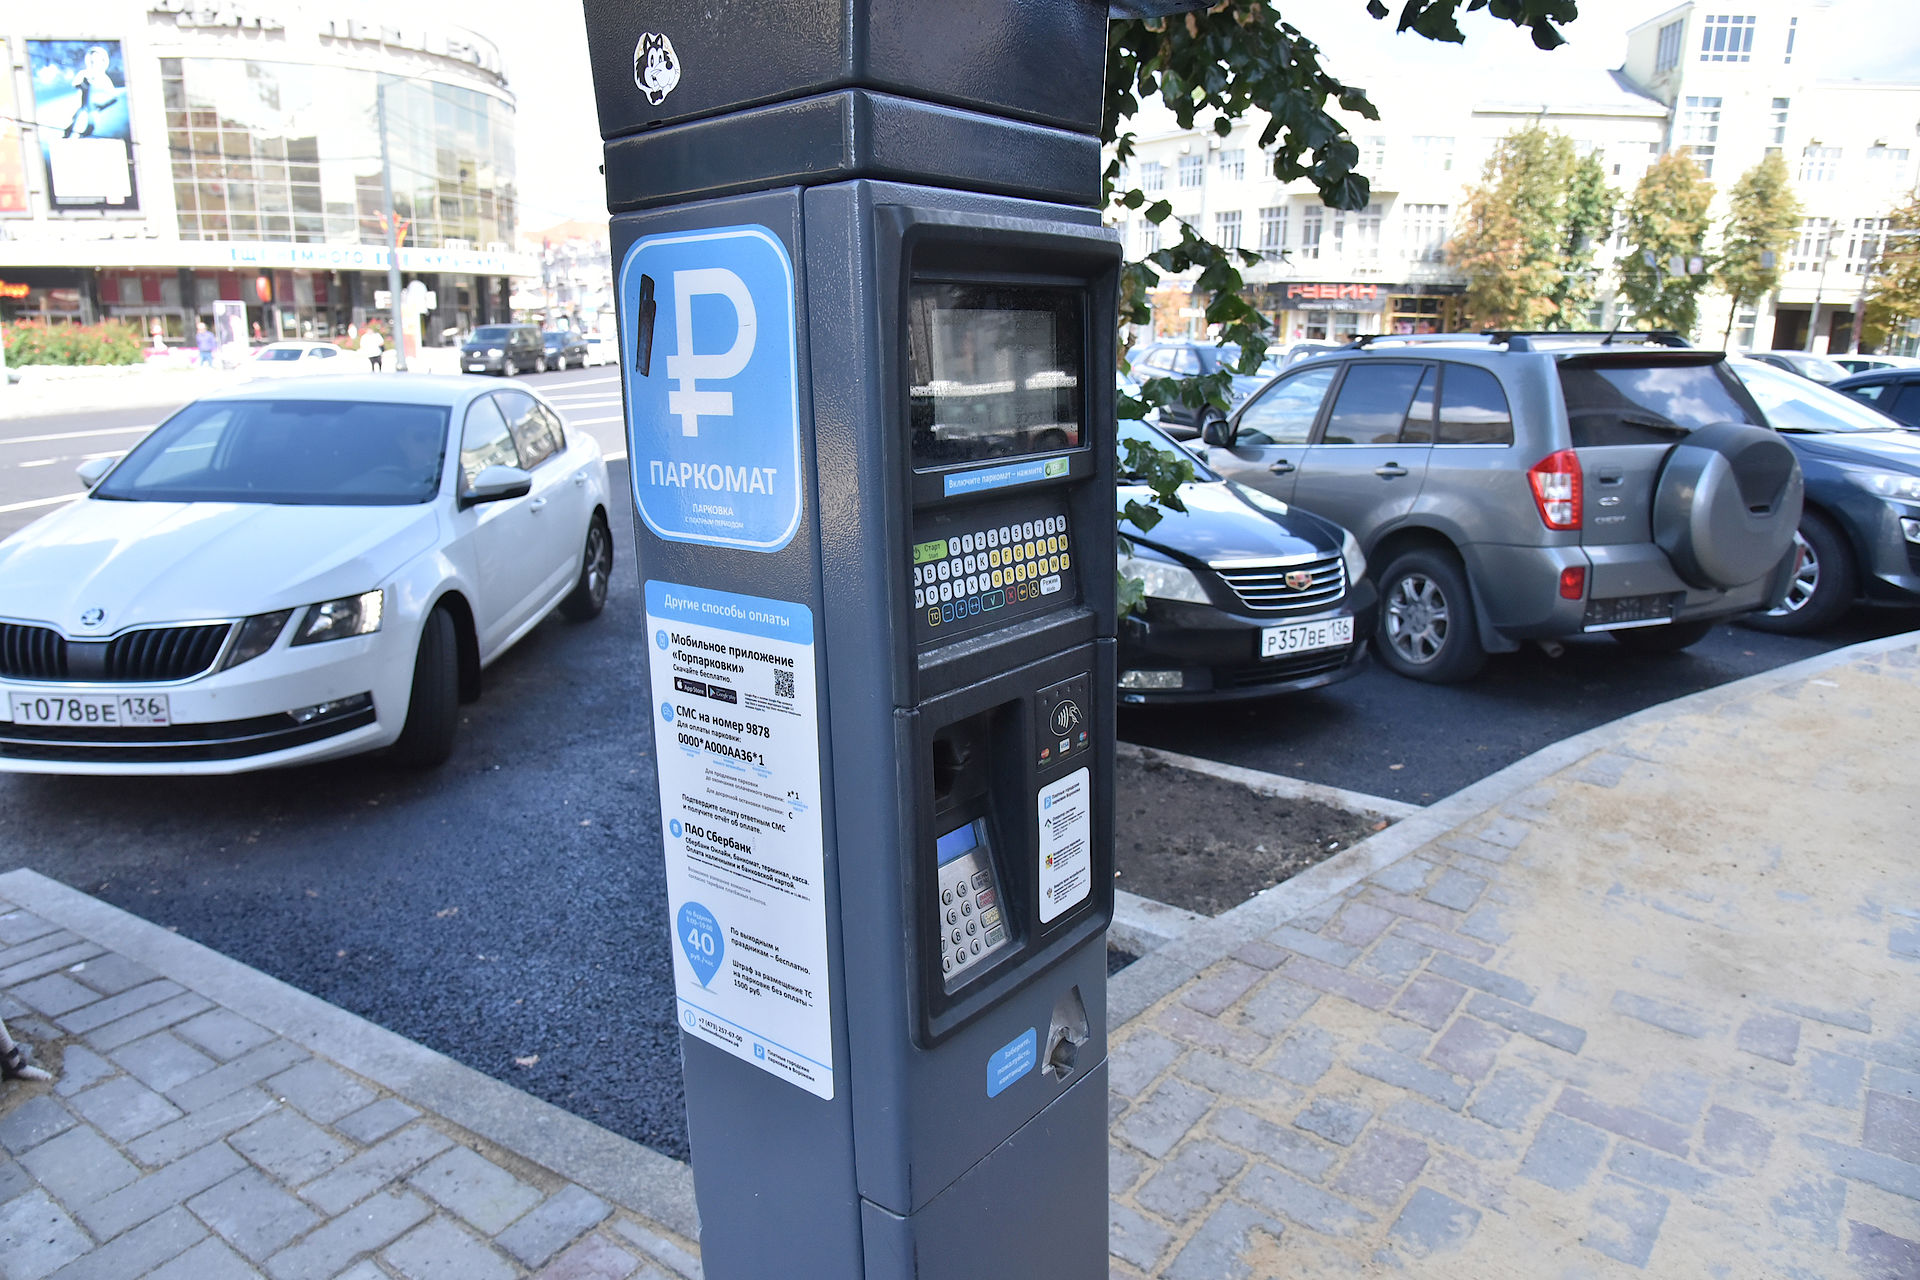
x: 290, y: 151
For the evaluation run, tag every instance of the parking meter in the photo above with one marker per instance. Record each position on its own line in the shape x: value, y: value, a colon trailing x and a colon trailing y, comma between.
x: 867, y: 313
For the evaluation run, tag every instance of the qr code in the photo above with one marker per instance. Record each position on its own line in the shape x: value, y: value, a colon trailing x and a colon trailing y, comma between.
x: 783, y: 684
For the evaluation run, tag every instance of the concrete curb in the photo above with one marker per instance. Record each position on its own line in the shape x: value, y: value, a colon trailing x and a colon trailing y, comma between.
x: 1278, y: 785
x: 637, y: 1177
x: 1140, y: 985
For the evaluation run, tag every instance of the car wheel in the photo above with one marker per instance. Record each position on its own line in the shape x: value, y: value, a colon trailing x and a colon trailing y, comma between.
x: 1823, y: 585
x: 539, y: 364
x: 508, y: 369
x: 589, y: 595
x: 1671, y: 638
x: 433, y: 709
x: 1427, y: 628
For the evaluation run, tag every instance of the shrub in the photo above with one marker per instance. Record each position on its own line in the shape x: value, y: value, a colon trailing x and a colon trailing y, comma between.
x: 110, y: 342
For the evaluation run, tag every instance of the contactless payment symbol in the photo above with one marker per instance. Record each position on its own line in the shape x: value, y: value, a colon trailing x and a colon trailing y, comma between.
x: 715, y: 425
x: 699, y: 935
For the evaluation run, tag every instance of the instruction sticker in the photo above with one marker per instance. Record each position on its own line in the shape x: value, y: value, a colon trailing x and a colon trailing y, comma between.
x: 737, y: 736
x: 1066, y: 844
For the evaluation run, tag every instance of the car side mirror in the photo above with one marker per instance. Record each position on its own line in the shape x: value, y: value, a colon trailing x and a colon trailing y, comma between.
x: 1217, y: 432
x: 496, y: 483
x: 94, y: 470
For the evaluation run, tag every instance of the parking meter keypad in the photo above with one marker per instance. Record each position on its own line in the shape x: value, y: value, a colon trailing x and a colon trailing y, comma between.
x: 971, y: 926
x: 989, y: 572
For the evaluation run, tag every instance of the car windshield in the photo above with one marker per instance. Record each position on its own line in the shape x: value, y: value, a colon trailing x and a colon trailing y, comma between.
x: 554, y: 339
x: 1134, y: 429
x: 491, y: 333
x: 1271, y: 363
x: 1794, y: 404
x: 278, y: 353
x: 340, y: 453
x: 1617, y: 402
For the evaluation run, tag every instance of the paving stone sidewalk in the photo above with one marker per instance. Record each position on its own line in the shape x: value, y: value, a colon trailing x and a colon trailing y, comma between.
x: 1655, y: 1013
x: 209, y: 1123
x: 1643, y: 1003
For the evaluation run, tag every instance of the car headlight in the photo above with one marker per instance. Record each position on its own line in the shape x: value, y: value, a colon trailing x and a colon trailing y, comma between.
x: 1889, y: 484
x: 337, y: 619
x: 257, y: 635
x: 495, y: 351
x: 1164, y: 581
x: 1355, y: 558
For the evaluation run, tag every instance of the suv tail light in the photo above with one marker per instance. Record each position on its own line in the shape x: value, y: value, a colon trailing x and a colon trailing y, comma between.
x: 1556, y: 489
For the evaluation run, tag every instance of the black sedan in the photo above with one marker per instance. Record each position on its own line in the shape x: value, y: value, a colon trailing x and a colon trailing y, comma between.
x: 565, y: 347
x: 1859, y: 533
x: 1245, y: 596
x: 1183, y: 359
x: 1894, y: 392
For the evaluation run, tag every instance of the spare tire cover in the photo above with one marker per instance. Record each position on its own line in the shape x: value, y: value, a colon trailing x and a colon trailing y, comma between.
x: 1727, y: 504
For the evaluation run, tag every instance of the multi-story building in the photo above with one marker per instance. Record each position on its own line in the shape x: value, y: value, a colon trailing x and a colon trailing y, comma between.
x: 1744, y: 80
x: 576, y: 274
x: 168, y: 154
x: 1330, y: 273
x: 1728, y: 87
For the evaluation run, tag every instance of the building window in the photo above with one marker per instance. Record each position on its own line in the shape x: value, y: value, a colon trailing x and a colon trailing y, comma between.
x: 1339, y: 232
x: 1273, y: 229
x: 1233, y: 165
x: 1153, y: 176
x: 1744, y: 326
x: 1226, y: 229
x: 1888, y: 166
x: 1192, y: 170
x: 1700, y: 130
x: 1366, y: 233
x: 1433, y: 153
x: 1313, y: 219
x: 1373, y: 153
x: 1149, y: 237
x: 1863, y: 244
x: 1425, y: 226
x: 1667, y: 56
x: 1778, y: 136
x: 1810, y: 245
x: 1819, y: 164
x: 1727, y: 37
x: 1793, y: 29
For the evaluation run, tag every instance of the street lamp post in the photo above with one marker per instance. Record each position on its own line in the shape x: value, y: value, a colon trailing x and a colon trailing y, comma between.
x: 393, y: 238
x: 1813, y: 321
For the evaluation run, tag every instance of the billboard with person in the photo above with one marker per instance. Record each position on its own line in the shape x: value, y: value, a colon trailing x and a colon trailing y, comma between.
x: 83, y: 117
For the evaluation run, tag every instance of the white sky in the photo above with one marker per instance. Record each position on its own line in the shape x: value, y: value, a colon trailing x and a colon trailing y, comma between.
x: 559, y: 142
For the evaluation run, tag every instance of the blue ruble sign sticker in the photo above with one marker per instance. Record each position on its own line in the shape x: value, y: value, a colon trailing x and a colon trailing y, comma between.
x: 713, y: 392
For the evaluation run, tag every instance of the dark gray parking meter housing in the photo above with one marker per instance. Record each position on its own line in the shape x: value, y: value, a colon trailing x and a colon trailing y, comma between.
x: 867, y: 313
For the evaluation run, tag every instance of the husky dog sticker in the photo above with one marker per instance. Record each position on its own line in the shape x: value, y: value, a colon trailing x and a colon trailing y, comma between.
x: 655, y: 68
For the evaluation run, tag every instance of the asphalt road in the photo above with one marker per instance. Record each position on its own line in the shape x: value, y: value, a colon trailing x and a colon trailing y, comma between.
x: 507, y: 909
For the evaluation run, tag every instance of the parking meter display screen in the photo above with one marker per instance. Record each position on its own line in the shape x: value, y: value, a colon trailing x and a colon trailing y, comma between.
x: 995, y: 370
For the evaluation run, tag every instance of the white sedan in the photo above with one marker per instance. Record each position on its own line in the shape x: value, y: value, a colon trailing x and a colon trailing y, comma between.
x: 301, y: 360
x: 278, y: 576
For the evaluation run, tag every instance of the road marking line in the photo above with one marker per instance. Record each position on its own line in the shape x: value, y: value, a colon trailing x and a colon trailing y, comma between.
x: 37, y: 462
x: 588, y: 422
x: 40, y: 502
x: 584, y: 382
x: 78, y: 435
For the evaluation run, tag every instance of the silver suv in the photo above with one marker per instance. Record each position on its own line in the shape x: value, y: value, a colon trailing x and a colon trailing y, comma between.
x: 1515, y: 487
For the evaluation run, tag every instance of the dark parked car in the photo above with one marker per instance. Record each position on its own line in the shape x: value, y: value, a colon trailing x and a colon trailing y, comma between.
x: 1804, y: 363
x: 1191, y: 359
x: 1859, y: 533
x: 565, y: 347
x: 505, y: 349
x: 1894, y: 392
x: 1517, y: 487
x: 1245, y: 596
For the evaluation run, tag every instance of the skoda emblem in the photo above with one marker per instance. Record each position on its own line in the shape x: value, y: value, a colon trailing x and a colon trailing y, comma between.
x: 1299, y: 579
x: 93, y: 617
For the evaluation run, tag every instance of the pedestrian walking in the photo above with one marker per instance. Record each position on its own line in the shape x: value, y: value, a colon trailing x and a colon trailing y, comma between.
x: 203, y: 343
x: 373, y: 347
